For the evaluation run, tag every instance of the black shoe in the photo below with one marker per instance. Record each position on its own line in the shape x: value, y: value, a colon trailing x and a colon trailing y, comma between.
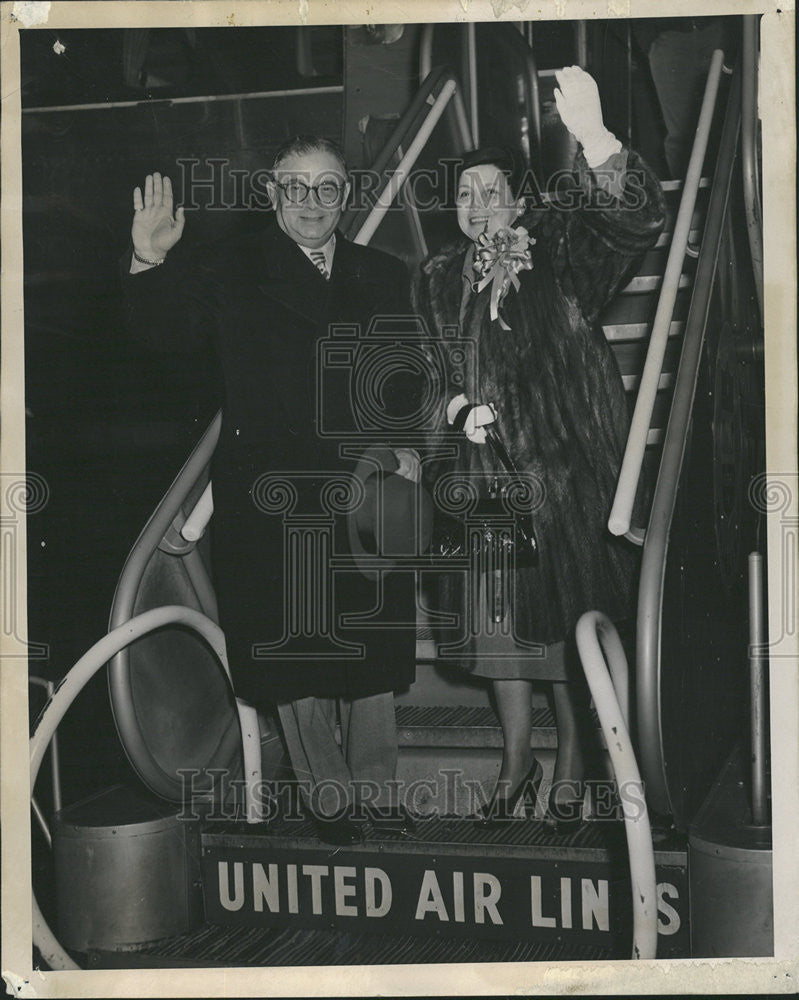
x: 395, y: 819
x: 339, y: 830
x: 562, y: 826
x: 564, y: 817
x: 500, y: 809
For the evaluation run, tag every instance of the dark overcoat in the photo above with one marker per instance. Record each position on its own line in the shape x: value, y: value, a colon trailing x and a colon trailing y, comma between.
x: 281, y: 486
x: 556, y: 386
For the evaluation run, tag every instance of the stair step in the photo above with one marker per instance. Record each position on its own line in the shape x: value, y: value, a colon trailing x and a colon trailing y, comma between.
x: 263, y: 947
x: 666, y: 381
x: 552, y: 897
x: 694, y: 236
x: 590, y: 841
x: 468, y: 726
x: 530, y: 870
x: 630, y: 353
x: 616, y: 332
x: 641, y: 308
x: 652, y: 283
x: 677, y: 185
x: 464, y: 726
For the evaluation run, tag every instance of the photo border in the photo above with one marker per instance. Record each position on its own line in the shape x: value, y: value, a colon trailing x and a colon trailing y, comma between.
x: 777, y: 106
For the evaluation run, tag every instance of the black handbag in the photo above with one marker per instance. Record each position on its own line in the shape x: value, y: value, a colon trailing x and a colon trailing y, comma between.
x: 497, y: 528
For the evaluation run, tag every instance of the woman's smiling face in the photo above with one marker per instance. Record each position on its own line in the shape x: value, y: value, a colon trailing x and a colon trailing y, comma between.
x: 484, y: 201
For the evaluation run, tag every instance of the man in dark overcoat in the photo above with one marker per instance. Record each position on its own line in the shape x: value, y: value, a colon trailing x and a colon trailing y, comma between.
x: 286, y: 311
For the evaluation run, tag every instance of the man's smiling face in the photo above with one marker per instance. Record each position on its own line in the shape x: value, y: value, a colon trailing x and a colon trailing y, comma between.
x: 309, y: 222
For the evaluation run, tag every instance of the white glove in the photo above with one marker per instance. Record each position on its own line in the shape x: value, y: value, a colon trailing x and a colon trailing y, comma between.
x: 580, y: 111
x: 476, y: 420
x: 409, y: 464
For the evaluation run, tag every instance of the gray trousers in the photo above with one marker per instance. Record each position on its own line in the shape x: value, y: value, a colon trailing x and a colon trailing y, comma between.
x: 333, y: 777
x: 679, y: 62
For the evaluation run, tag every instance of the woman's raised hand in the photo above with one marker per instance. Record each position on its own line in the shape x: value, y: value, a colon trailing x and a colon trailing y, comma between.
x: 155, y: 229
x: 577, y: 99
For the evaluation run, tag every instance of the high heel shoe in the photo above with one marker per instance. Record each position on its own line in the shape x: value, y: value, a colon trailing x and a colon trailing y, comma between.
x: 500, y: 809
x: 564, y: 817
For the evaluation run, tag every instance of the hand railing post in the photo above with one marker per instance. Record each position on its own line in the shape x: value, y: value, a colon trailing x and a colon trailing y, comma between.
x: 400, y: 174
x: 621, y: 513
x: 71, y: 686
x: 653, y: 560
x: 610, y: 697
x: 749, y: 117
x: 758, y: 712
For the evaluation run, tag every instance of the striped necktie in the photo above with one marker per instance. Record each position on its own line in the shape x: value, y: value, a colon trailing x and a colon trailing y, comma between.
x: 318, y: 257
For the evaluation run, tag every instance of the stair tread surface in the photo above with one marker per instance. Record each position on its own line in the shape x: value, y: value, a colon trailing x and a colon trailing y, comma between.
x: 592, y: 840
x: 457, y: 715
x: 213, y: 946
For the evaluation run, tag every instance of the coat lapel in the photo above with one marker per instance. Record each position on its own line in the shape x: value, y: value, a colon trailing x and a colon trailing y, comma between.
x: 345, y: 266
x: 290, y: 279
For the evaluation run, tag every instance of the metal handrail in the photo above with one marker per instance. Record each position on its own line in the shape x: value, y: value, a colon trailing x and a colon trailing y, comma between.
x: 605, y: 668
x: 55, y: 764
x: 758, y: 699
x: 530, y: 76
x: 749, y: 117
x: 471, y: 59
x: 531, y: 92
x: 70, y: 687
x: 426, y: 50
x: 406, y: 164
x: 119, y: 681
x: 632, y: 462
x: 434, y: 81
x: 653, y: 562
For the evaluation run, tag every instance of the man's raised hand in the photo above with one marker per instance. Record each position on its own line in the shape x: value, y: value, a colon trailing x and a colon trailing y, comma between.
x: 155, y: 229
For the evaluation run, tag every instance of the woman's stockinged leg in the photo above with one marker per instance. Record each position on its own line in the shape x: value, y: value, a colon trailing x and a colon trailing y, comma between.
x: 514, y: 701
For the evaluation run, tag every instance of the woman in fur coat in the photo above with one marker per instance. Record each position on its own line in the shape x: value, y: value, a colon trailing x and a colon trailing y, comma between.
x: 537, y: 366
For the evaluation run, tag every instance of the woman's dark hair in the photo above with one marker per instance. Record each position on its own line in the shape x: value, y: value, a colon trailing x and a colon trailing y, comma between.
x: 508, y: 159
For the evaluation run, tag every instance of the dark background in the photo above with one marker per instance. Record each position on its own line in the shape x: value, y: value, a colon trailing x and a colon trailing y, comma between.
x: 108, y: 425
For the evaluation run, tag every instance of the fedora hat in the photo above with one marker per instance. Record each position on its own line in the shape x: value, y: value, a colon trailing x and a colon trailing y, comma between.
x: 394, y: 521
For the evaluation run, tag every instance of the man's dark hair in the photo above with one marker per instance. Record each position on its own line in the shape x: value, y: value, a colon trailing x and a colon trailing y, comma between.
x: 301, y: 145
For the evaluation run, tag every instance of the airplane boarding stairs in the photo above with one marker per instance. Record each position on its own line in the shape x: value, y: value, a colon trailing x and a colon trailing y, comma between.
x: 271, y: 893
x: 451, y: 891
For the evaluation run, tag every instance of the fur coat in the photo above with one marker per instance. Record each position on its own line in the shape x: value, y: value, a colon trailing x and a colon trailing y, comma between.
x: 556, y: 387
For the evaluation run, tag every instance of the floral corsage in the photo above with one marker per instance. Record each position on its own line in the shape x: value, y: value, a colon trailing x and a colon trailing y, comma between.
x: 498, y: 260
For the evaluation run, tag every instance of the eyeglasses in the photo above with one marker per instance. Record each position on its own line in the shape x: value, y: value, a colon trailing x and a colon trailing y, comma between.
x: 327, y: 193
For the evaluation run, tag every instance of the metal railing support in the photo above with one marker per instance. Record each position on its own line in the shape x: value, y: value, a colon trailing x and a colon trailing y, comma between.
x: 749, y: 118
x: 55, y: 764
x: 653, y: 559
x: 132, y: 572
x: 471, y: 58
x: 70, y: 687
x: 400, y: 174
x: 195, y: 524
x: 758, y: 707
x: 424, y: 98
x: 37, y: 812
x: 621, y: 512
x: 605, y: 667
x: 426, y: 51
